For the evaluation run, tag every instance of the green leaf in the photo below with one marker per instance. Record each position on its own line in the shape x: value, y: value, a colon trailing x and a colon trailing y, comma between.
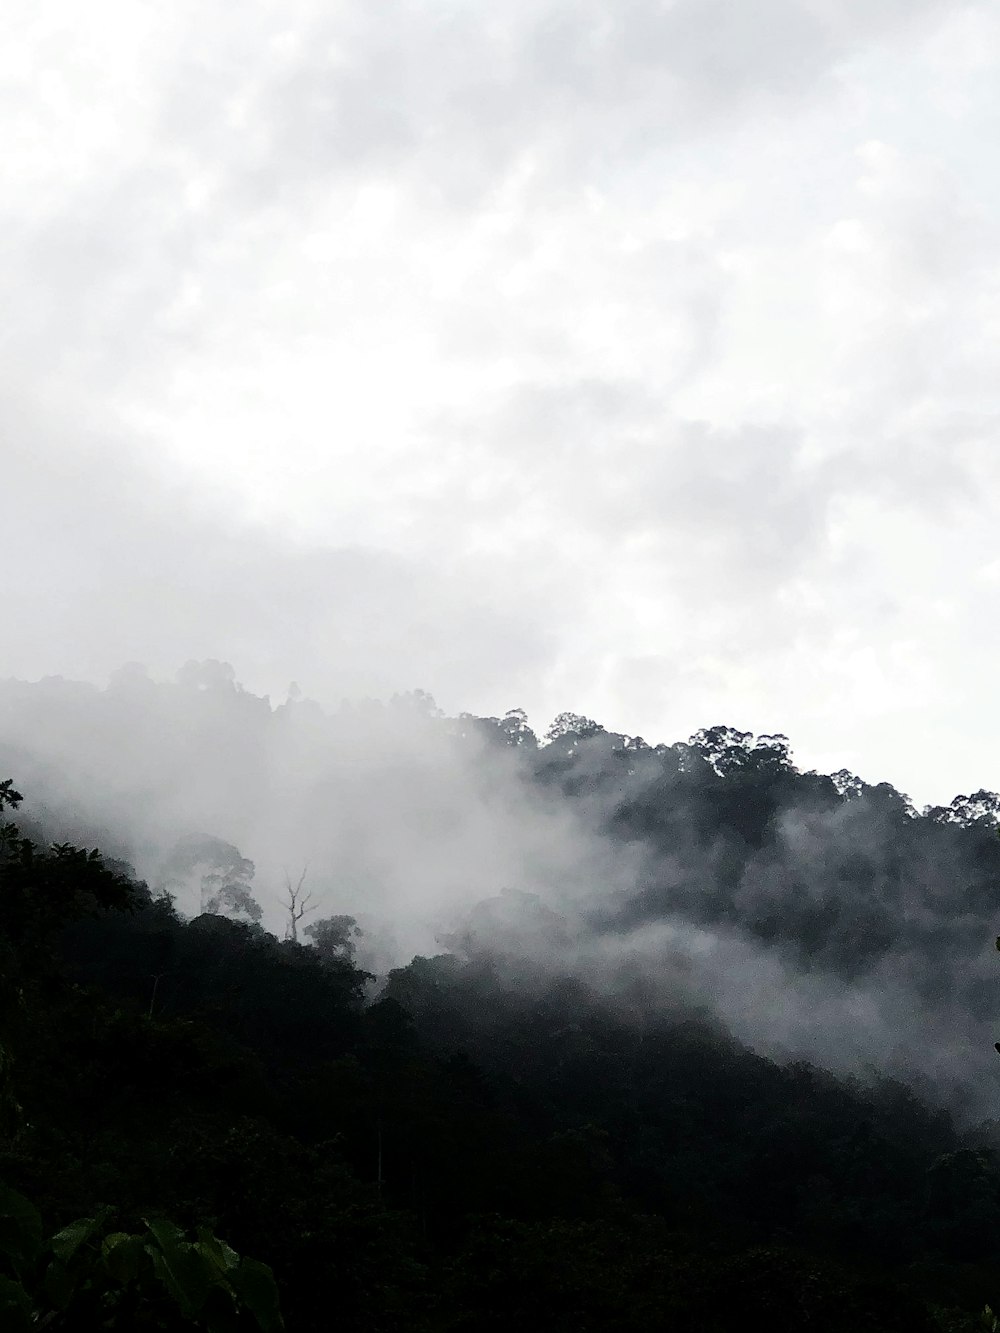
x: 15, y: 1308
x: 254, y: 1284
x: 220, y: 1255
x: 170, y: 1279
x: 185, y: 1274
x: 114, y: 1238
x: 123, y: 1256
x: 20, y: 1230
x: 65, y: 1243
x: 164, y: 1232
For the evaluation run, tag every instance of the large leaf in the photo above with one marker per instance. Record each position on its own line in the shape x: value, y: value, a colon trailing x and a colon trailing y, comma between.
x: 123, y: 1256
x: 254, y: 1284
x: 65, y: 1243
x: 20, y: 1230
x: 164, y: 1232
x: 184, y: 1272
x: 222, y: 1256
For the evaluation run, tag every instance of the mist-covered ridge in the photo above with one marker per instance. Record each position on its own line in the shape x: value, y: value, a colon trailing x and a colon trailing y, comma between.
x: 813, y: 915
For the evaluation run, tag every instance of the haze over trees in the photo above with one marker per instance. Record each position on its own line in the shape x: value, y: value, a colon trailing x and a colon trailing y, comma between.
x: 584, y: 1032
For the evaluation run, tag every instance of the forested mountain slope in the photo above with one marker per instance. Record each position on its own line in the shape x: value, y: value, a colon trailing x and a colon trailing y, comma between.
x: 700, y: 1038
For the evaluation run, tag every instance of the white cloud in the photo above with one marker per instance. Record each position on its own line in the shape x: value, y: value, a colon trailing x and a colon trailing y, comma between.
x: 634, y: 358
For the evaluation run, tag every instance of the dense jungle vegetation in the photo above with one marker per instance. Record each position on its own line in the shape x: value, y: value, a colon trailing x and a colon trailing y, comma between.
x: 495, y: 1136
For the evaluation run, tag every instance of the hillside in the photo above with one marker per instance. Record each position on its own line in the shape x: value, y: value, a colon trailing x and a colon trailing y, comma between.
x: 701, y: 1038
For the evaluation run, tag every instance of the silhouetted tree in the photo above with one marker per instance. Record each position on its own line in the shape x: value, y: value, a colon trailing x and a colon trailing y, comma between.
x: 334, y: 938
x: 219, y: 874
x: 297, y: 903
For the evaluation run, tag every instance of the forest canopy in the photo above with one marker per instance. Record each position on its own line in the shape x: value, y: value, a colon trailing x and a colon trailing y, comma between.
x: 698, y: 1033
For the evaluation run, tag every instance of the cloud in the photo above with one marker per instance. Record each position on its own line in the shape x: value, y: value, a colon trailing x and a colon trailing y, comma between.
x: 543, y: 356
x: 110, y: 561
x: 843, y: 932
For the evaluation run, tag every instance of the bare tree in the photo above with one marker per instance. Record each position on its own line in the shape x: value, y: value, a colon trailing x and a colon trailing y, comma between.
x: 297, y: 904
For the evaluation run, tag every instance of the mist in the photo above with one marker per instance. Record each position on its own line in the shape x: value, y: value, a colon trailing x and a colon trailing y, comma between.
x: 814, y: 918
x: 378, y: 382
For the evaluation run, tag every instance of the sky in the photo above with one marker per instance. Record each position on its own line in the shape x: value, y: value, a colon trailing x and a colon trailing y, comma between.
x: 638, y: 359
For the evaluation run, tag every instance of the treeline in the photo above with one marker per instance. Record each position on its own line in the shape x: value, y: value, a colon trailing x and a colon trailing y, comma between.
x: 604, y: 1100
x: 476, y: 1144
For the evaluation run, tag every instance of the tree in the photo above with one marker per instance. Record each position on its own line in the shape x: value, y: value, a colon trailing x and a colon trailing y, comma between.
x: 9, y: 800
x: 10, y: 1111
x: 725, y: 748
x: 511, y: 730
x: 40, y: 891
x: 980, y: 810
x: 234, y: 900
x: 208, y: 675
x: 333, y: 938
x: 514, y: 725
x: 40, y: 894
x: 217, y: 873
x: 849, y: 786
x: 297, y: 903
x: 416, y: 702
x: 573, y: 725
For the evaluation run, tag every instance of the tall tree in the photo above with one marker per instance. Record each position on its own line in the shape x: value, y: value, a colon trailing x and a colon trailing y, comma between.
x: 298, y: 904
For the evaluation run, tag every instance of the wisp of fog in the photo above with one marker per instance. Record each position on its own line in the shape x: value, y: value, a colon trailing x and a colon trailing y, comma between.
x: 815, y: 917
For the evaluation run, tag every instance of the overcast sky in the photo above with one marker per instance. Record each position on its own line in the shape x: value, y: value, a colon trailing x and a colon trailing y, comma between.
x: 635, y: 358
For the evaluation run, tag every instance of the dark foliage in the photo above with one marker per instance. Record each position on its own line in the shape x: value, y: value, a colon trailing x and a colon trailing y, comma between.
x: 486, y: 1142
